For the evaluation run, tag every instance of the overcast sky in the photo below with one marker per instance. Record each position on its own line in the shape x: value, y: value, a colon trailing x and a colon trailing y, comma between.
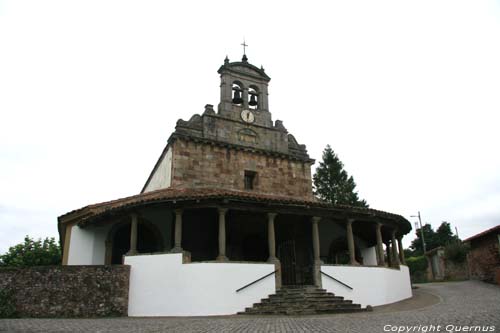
x: 406, y: 93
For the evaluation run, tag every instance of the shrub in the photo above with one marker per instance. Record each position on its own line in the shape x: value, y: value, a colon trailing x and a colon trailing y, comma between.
x: 32, y: 253
x: 456, y: 252
x: 418, y: 268
x: 7, y: 306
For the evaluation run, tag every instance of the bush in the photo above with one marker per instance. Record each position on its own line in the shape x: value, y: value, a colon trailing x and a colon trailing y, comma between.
x: 7, y: 306
x: 418, y: 268
x: 456, y: 252
x: 32, y: 253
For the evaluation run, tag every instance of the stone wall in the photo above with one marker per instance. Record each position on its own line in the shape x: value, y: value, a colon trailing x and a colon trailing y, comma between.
x: 484, y: 257
x: 68, y: 291
x: 204, y: 165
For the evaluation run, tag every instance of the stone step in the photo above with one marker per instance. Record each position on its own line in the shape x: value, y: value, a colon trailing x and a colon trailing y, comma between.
x: 304, y: 308
x: 302, y: 300
x: 333, y: 299
x: 312, y: 292
x: 303, y: 297
x: 251, y: 311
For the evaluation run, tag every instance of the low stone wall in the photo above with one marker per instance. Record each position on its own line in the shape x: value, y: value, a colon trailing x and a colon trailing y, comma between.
x: 68, y: 291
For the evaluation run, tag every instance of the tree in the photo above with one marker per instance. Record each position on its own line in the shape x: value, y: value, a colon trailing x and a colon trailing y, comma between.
x: 444, y: 234
x: 333, y: 184
x: 32, y: 253
x: 442, y: 237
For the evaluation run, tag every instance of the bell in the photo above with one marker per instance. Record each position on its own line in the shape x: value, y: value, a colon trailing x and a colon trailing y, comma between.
x: 237, y: 97
x: 253, y: 100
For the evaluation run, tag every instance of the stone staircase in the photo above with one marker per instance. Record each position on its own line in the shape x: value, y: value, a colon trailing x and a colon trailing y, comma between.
x: 302, y: 300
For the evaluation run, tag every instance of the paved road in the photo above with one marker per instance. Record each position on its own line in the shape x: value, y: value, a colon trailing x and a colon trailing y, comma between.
x: 450, y: 305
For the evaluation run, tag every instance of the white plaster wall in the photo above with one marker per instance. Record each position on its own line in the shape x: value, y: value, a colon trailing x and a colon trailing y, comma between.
x: 160, y: 285
x: 371, y: 285
x: 81, y: 246
x: 369, y: 256
x: 87, y: 246
x: 162, y: 176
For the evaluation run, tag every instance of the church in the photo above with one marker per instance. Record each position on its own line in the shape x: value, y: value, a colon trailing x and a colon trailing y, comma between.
x: 227, y: 223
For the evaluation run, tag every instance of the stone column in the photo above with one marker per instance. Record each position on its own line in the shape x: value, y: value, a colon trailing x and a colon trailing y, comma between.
x: 178, y: 232
x: 108, y: 252
x: 222, y: 235
x: 394, y: 248
x: 380, y: 247
x: 272, y: 250
x: 270, y: 237
x: 388, y: 253
x: 315, y: 236
x: 133, y: 235
x: 350, y: 243
x: 316, y: 248
x: 401, y: 250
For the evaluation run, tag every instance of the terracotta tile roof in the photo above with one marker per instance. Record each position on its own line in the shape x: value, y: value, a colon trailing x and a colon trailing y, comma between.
x: 484, y: 233
x: 180, y: 194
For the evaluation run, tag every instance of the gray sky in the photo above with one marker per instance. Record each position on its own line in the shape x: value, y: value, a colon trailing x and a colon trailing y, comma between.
x: 406, y: 93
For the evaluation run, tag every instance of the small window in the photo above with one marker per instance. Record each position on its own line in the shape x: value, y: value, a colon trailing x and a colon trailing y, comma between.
x: 250, y: 179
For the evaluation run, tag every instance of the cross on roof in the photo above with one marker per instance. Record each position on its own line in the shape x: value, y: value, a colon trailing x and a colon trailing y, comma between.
x: 244, y: 46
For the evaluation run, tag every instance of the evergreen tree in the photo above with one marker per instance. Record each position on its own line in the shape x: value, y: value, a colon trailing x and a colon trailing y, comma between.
x: 333, y: 184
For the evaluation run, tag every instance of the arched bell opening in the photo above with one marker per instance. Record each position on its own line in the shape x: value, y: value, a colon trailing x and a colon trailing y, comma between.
x: 253, y: 98
x: 149, y: 240
x: 237, y: 93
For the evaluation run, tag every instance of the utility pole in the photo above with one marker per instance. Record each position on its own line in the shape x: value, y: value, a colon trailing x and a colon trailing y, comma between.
x: 421, y: 230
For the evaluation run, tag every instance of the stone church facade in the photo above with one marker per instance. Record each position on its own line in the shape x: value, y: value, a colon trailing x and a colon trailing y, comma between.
x: 227, y: 217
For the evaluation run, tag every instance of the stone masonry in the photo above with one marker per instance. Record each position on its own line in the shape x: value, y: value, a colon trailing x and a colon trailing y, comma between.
x: 68, y: 291
x: 203, y: 165
x: 484, y: 257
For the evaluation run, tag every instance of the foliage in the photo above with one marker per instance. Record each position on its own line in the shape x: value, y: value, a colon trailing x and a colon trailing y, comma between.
x: 333, y: 184
x: 418, y: 268
x: 433, y: 239
x: 7, y: 306
x: 33, y: 253
x: 456, y: 252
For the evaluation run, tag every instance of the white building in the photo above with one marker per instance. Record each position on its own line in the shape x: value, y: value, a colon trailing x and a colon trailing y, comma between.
x: 227, y: 218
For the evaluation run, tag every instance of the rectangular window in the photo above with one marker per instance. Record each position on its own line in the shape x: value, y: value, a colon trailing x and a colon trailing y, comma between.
x: 250, y: 179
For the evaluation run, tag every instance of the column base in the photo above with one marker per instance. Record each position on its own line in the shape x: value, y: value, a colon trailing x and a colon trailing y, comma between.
x: 131, y: 253
x: 176, y: 249
x: 273, y: 260
x: 221, y: 258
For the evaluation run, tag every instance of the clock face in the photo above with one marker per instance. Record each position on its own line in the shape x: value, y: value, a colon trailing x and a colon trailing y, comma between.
x: 247, y: 116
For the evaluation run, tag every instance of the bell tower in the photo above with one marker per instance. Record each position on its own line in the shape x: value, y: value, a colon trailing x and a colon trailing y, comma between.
x: 243, y: 92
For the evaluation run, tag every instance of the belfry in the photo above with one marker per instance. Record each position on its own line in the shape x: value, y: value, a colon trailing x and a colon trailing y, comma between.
x: 227, y: 222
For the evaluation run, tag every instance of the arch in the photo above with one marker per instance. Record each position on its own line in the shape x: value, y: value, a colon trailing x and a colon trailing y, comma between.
x: 338, y: 252
x: 253, y: 97
x: 149, y: 240
x: 237, y: 92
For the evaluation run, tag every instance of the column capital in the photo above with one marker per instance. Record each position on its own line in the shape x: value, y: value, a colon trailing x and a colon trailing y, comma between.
x: 178, y: 211
x: 379, y: 224
x: 351, y: 221
x: 316, y: 219
x: 271, y: 215
x: 222, y: 210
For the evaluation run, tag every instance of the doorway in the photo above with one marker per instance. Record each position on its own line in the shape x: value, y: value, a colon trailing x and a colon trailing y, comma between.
x: 294, y: 239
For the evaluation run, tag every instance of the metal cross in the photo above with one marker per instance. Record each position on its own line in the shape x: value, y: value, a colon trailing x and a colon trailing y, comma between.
x: 244, y: 46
